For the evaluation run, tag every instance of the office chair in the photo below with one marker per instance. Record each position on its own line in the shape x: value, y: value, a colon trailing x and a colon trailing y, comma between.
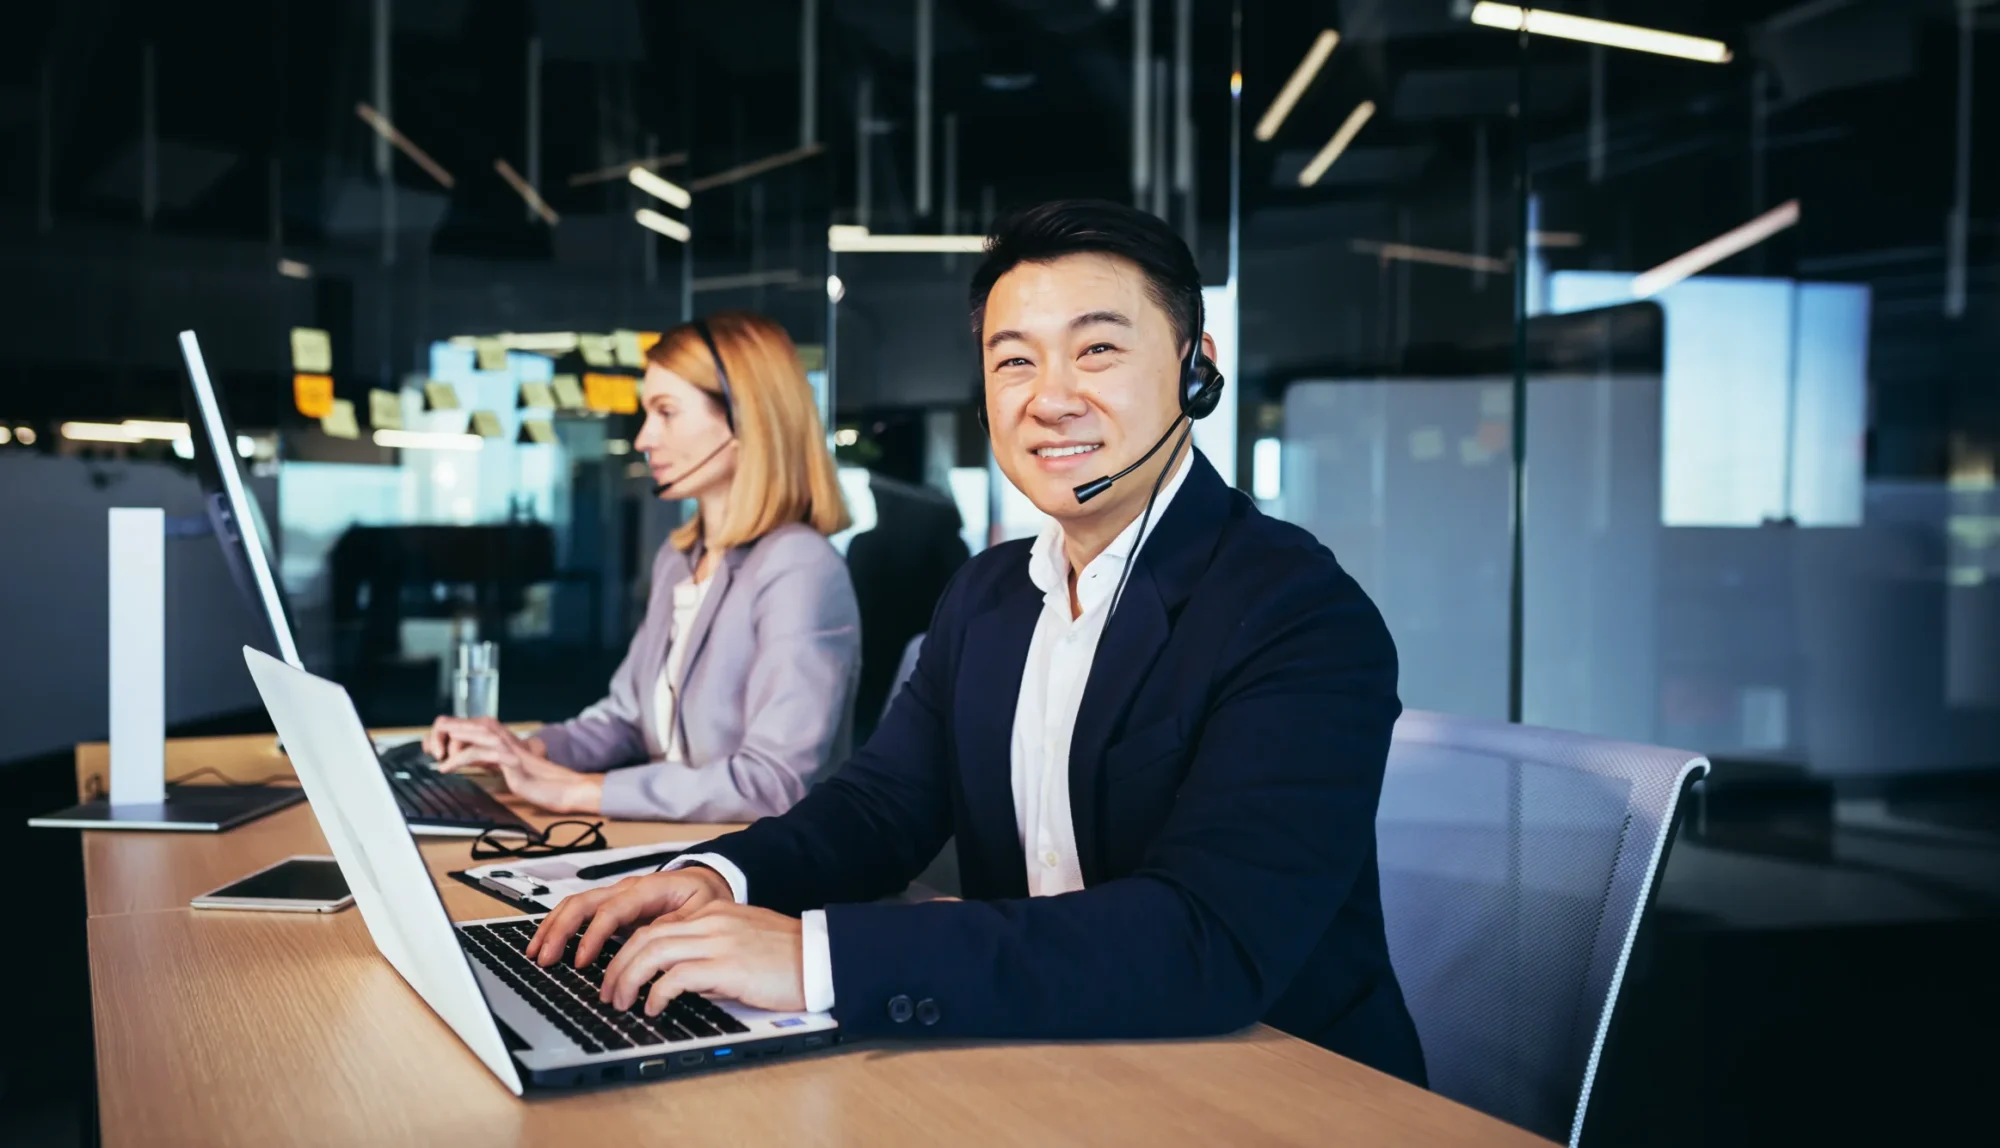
x: 1516, y: 865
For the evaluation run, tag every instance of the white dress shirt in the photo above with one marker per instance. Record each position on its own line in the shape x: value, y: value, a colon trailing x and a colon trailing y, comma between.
x: 1059, y: 660
x: 688, y: 596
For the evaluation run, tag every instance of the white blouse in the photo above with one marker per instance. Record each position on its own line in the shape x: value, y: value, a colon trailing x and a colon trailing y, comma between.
x: 687, y: 603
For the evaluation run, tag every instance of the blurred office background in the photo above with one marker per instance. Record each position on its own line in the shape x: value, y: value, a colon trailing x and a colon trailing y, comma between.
x: 1742, y: 314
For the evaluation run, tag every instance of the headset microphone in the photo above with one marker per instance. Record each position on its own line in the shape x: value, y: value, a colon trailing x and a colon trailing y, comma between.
x: 660, y: 488
x: 1097, y: 486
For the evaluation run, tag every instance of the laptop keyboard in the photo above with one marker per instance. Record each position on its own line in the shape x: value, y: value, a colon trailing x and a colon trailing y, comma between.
x: 428, y: 797
x: 567, y: 996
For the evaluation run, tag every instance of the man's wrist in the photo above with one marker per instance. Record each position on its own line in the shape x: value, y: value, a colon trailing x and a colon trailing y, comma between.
x: 717, y: 882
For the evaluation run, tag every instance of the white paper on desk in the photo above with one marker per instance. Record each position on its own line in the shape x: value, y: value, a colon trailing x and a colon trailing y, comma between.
x: 556, y: 876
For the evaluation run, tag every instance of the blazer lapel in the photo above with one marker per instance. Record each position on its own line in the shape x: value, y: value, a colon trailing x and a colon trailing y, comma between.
x: 1171, y: 559
x: 988, y: 689
x: 697, y: 635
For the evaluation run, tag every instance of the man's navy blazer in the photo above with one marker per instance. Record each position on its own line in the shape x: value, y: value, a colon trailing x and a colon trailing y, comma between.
x: 1224, y: 773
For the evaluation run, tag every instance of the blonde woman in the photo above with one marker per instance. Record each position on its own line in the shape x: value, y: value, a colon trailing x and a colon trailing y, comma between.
x: 738, y: 689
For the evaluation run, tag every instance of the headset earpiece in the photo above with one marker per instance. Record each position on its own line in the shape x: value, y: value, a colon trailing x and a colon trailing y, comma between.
x: 1201, y: 388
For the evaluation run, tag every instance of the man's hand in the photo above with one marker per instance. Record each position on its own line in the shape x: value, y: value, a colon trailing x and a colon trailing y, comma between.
x: 613, y: 907
x: 741, y: 952
x: 485, y: 743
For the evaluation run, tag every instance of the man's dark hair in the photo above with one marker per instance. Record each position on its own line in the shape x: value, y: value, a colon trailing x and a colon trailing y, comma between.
x: 1049, y: 231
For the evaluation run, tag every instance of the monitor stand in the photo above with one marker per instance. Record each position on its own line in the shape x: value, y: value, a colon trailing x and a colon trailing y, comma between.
x: 187, y: 809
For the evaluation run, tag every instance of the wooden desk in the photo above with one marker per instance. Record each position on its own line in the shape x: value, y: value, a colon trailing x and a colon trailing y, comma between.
x: 261, y: 1028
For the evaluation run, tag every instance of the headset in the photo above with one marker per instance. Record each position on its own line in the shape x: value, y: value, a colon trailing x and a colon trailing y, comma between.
x: 728, y: 407
x: 1200, y: 393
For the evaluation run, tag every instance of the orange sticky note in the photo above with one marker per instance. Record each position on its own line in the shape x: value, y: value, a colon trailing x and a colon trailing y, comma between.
x: 313, y: 395
x: 612, y: 394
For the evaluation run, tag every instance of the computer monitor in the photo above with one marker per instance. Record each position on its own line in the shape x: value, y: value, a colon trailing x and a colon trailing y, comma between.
x: 238, y: 522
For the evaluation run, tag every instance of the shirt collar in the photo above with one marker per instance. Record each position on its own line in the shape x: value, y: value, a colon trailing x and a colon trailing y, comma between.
x: 1048, y: 566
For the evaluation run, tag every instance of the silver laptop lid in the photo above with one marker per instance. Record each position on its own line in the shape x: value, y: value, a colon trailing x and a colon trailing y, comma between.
x: 336, y: 763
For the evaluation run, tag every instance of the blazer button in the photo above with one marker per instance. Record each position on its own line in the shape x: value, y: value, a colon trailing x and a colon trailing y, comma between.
x: 899, y: 1009
x: 927, y: 1011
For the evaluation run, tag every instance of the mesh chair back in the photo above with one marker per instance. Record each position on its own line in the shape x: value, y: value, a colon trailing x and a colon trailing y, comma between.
x: 1516, y: 865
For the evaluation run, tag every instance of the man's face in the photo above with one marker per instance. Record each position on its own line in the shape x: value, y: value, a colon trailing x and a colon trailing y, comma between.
x: 1081, y: 368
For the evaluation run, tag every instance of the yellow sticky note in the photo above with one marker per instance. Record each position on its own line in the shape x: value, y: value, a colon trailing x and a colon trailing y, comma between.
x: 339, y: 421
x: 568, y: 392
x: 647, y: 341
x: 385, y: 409
x: 612, y: 394
x: 489, y: 354
x: 537, y: 396
x: 312, y: 350
x: 625, y: 346
x: 486, y: 424
x: 440, y: 396
x: 313, y: 395
x: 596, y: 350
x: 538, y: 431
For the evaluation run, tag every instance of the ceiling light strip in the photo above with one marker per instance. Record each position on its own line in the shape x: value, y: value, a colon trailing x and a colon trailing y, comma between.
x: 1716, y: 250
x: 387, y: 131
x: 1301, y: 79
x: 1563, y: 26
x: 653, y: 220
x: 1341, y: 138
x: 527, y: 192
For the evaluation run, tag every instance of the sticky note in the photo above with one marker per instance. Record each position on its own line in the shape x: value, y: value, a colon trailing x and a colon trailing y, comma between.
x: 1427, y: 443
x: 625, y: 347
x: 313, y: 395
x: 486, y: 424
x: 385, y: 409
x: 312, y: 350
x: 339, y: 421
x: 537, y: 396
x: 568, y: 392
x: 612, y: 394
x: 596, y: 350
x: 440, y: 396
x: 538, y: 431
x: 489, y: 354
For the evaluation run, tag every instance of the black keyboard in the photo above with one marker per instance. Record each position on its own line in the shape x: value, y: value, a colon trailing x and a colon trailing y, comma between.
x: 442, y: 800
x: 567, y: 995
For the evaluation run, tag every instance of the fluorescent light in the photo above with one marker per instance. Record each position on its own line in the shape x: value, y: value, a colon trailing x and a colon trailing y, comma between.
x: 1301, y: 79
x: 24, y: 435
x: 1443, y: 258
x: 1563, y: 26
x: 847, y: 237
x: 428, y: 440
x: 1266, y: 468
x: 100, y: 432
x: 671, y: 228
x: 835, y: 289
x: 246, y: 446
x: 527, y: 192
x: 1716, y: 250
x: 659, y: 188
x: 6, y: 436
x: 1341, y: 138
x: 846, y: 436
x: 755, y: 167
x: 293, y: 269
x: 402, y: 143
x: 149, y: 428
x: 184, y: 447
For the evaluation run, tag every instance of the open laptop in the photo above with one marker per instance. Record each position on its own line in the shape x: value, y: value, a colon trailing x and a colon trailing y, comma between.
x: 525, y: 1022
x: 437, y: 804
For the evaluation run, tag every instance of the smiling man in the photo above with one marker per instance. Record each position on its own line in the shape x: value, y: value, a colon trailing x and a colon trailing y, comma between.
x: 1157, y: 733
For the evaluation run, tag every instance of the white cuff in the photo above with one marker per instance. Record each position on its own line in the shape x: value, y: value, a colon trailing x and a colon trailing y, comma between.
x: 739, y: 885
x: 818, y: 961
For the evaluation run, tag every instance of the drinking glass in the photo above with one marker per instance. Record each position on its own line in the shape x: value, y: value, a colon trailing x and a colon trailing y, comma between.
x: 475, y: 680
